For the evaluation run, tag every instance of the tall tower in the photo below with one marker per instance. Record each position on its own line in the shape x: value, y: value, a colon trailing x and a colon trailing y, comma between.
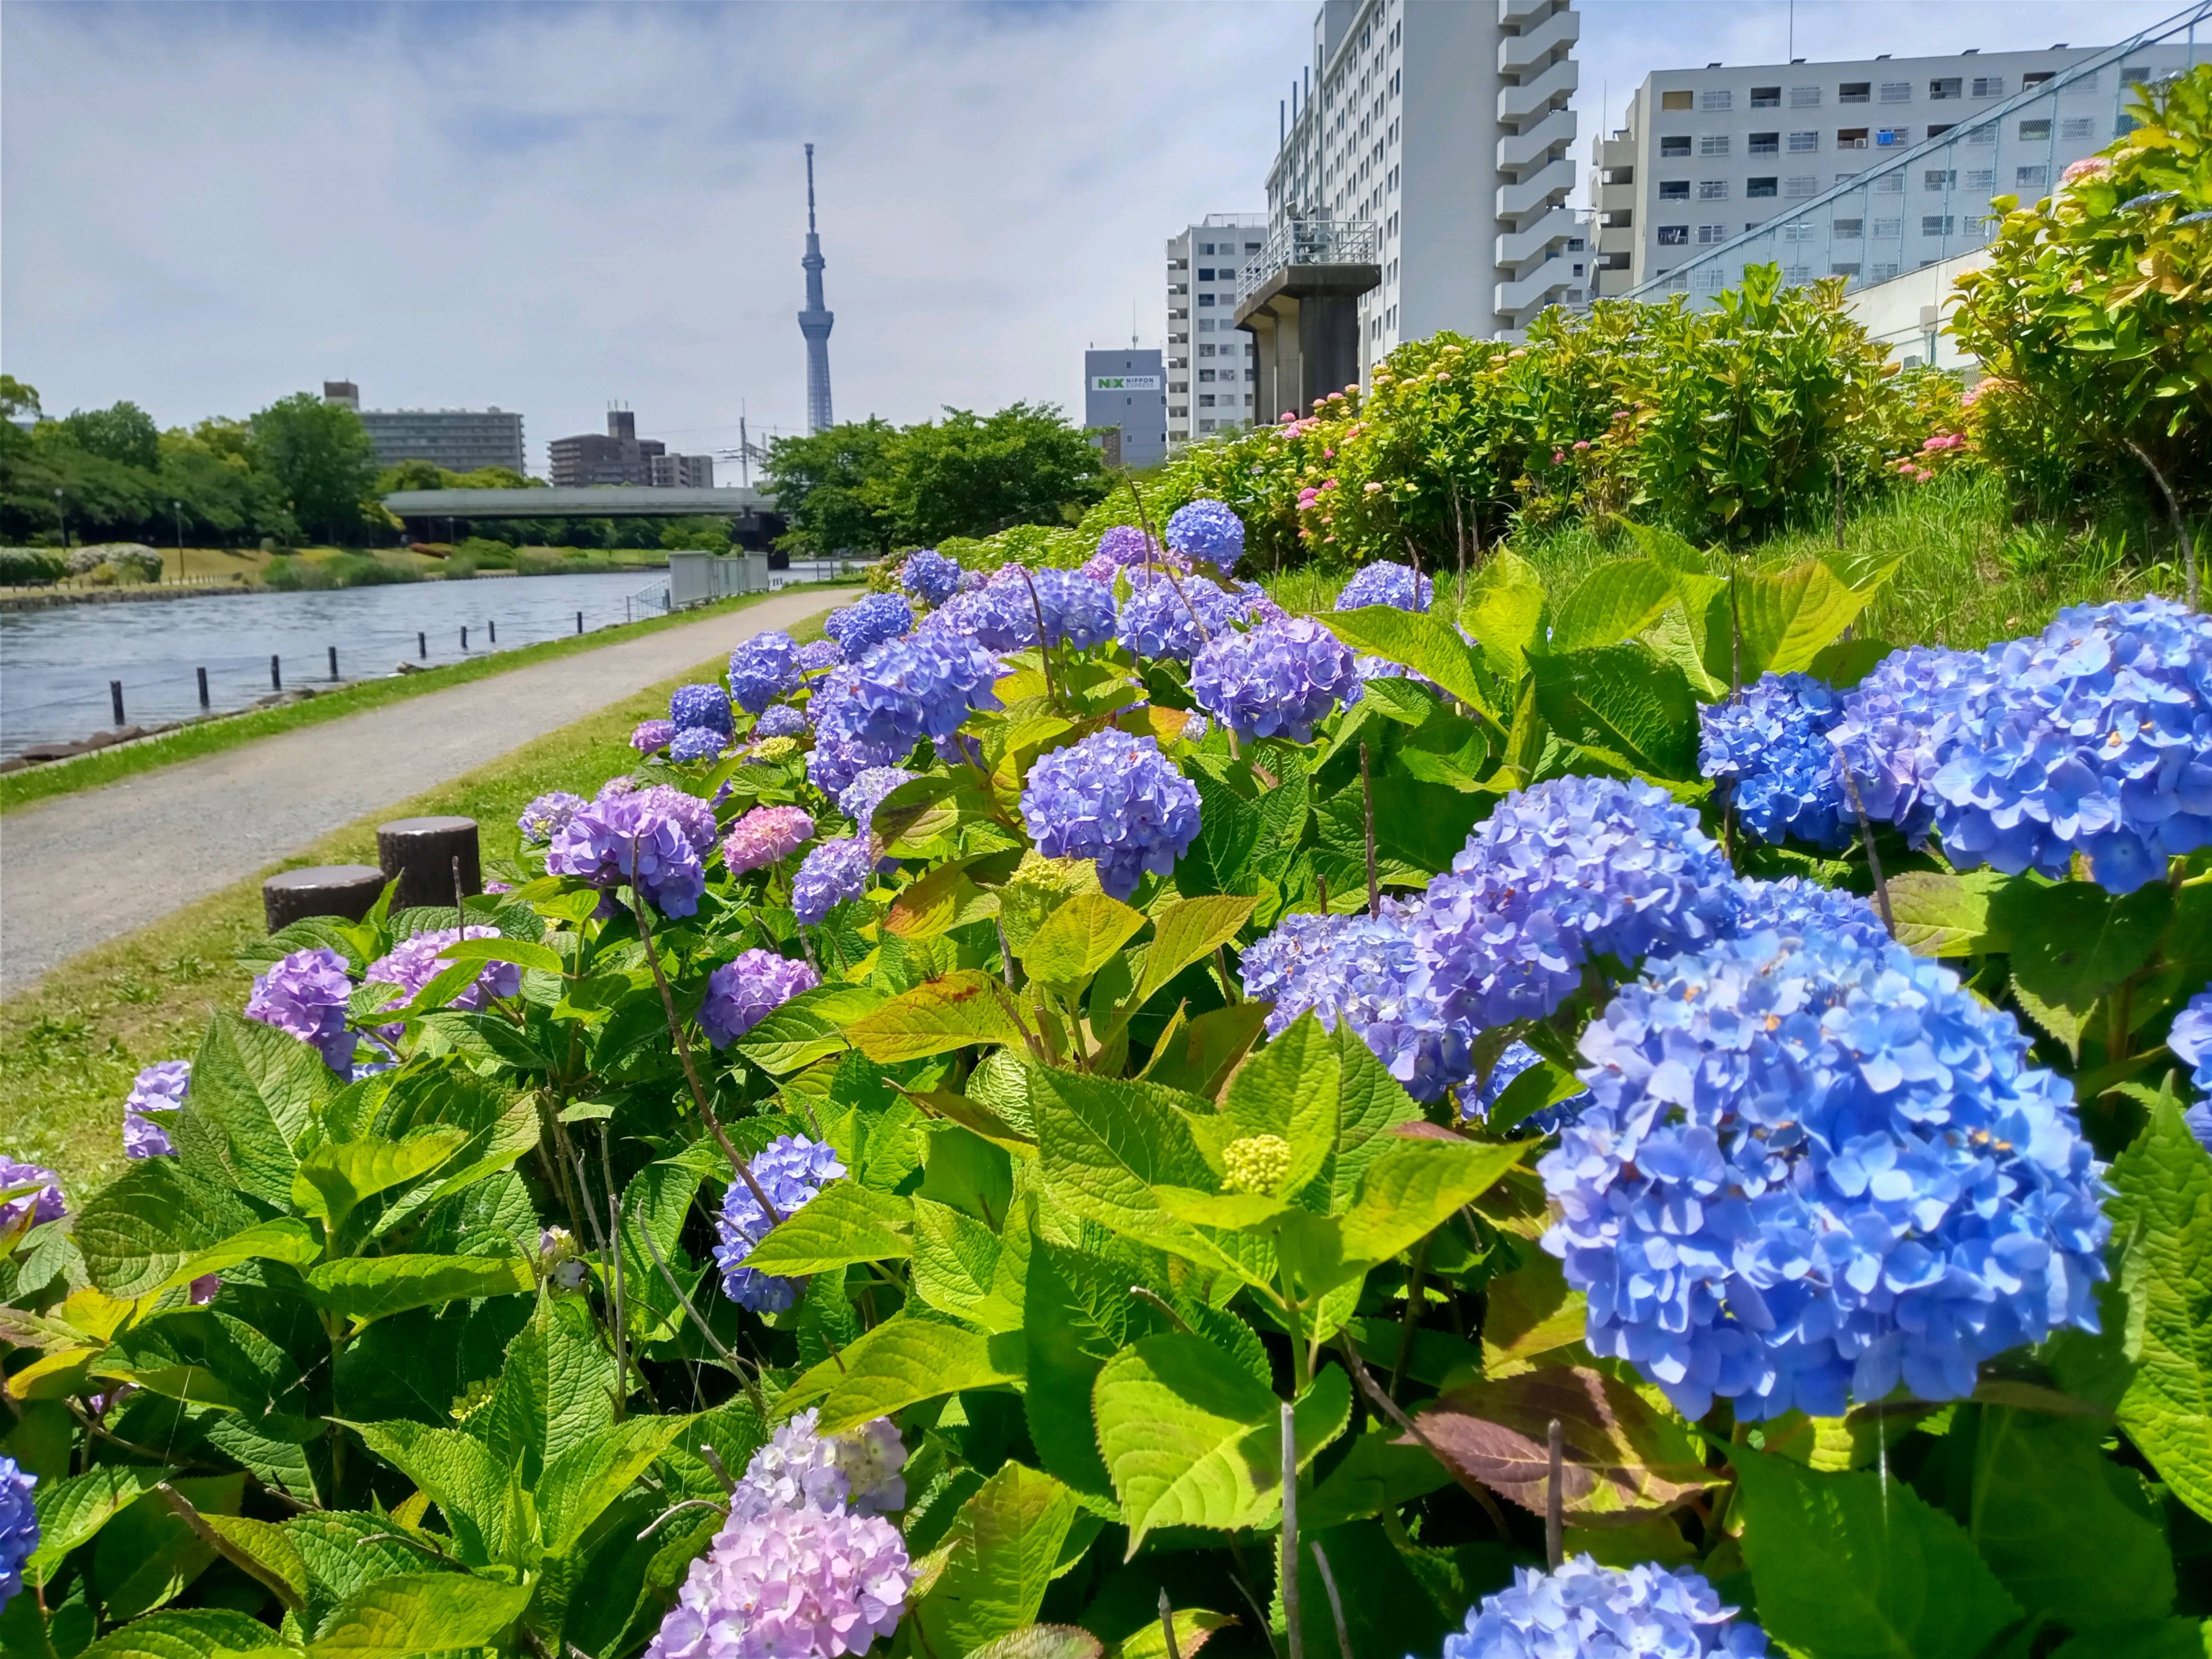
x: 815, y: 321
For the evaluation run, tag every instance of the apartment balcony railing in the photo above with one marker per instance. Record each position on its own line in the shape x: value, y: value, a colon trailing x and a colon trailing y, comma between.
x: 1312, y: 242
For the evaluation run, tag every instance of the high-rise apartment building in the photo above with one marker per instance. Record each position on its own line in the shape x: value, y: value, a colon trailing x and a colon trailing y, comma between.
x: 459, y: 439
x: 1710, y: 154
x: 621, y: 457
x: 1209, y: 363
x: 1443, y: 126
x: 1125, y: 395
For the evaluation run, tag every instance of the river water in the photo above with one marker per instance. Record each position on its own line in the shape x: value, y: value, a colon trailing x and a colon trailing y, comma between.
x: 54, y: 664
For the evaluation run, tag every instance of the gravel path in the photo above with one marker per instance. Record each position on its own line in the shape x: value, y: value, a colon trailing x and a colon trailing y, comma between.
x: 80, y: 869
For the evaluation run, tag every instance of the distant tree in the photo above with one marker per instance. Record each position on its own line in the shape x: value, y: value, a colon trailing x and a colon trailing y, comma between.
x: 122, y: 433
x: 321, y: 459
x: 821, y: 483
x: 16, y: 399
x: 413, y: 474
x: 711, y: 533
x: 493, y: 477
x: 969, y: 475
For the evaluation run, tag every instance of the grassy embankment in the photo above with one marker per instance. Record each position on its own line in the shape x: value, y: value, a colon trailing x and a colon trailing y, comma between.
x: 70, y: 1049
x: 228, y: 732
x: 339, y: 566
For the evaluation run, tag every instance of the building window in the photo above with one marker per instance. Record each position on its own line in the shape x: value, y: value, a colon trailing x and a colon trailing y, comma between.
x: 1937, y: 224
x: 2135, y: 76
x: 1804, y: 98
x: 1674, y: 99
x: 1674, y: 190
x: 1766, y: 98
x: 1205, y: 272
x: 1888, y: 230
x: 1989, y: 85
x: 1757, y: 187
x: 1716, y: 98
x: 1896, y: 92
x: 1946, y: 85
x: 1883, y: 271
x: 2036, y: 177
x: 1673, y: 236
x: 1941, y: 128
x: 2037, y: 77
x: 1205, y: 300
x: 1711, y: 235
x: 1798, y: 276
x: 1891, y: 137
x: 1804, y: 143
x: 1890, y: 184
x: 2077, y: 126
x: 1709, y: 279
x: 2035, y: 132
x: 1939, y: 179
x: 1677, y: 146
x: 1848, y: 268
x: 1981, y: 179
x: 1205, y: 426
x: 1712, y: 190
x: 1848, y: 230
x: 1206, y: 400
x: 1765, y: 143
x: 1850, y: 137
x: 1984, y: 136
x: 1855, y: 92
x: 1798, y: 230
x: 1204, y: 376
x: 1802, y: 185
x: 1712, y: 143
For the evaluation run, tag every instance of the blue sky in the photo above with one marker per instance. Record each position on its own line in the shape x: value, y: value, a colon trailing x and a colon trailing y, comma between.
x: 549, y: 207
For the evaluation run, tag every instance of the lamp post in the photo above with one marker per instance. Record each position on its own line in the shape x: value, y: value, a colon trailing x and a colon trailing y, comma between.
x: 178, y: 507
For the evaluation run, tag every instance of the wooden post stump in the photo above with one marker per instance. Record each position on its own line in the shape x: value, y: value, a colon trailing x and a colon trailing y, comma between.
x: 321, y: 890
x: 421, y: 852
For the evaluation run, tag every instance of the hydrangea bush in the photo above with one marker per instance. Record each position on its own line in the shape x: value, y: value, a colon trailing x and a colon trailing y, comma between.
x: 881, y: 1184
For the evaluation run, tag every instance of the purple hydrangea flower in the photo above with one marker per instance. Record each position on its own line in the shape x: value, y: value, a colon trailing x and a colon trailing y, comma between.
x: 922, y: 685
x: 158, y: 1090
x: 1207, y: 531
x: 19, y: 1526
x: 1125, y: 544
x: 1885, y: 736
x: 1114, y: 798
x: 1811, y: 1170
x: 650, y: 735
x: 816, y: 655
x: 801, y: 1467
x: 2094, y: 736
x: 789, y: 1584
x: 694, y: 817
x: 1258, y: 607
x: 1275, y: 681
x: 1398, y: 584
x: 1162, y: 617
x: 791, y: 1169
x: 865, y: 793
x: 707, y: 706
x: 305, y: 995
x: 629, y: 838
x: 45, y: 1205
x: 997, y: 614
x: 835, y: 760
x: 781, y: 722
x: 2191, y: 1040
x: 765, y: 836
x: 741, y: 992
x: 1770, y: 748
x: 697, y: 743
x: 762, y: 669
x: 859, y: 628
x: 413, y: 964
x: 1605, y: 1613
x: 1355, y: 968
x: 1569, y: 870
x: 832, y: 873
x: 930, y: 576
x: 546, y: 814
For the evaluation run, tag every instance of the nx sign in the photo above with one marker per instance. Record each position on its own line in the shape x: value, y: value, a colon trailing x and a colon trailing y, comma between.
x: 1125, y: 383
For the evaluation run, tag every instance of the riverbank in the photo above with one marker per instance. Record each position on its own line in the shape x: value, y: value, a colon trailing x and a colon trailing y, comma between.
x: 215, y: 734
x: 243, y: 582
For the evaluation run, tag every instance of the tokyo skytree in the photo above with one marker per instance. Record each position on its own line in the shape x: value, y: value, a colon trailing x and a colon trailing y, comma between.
x: 815, y: 321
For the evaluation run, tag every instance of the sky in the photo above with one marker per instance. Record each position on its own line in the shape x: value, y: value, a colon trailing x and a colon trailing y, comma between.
x: 551, y: 208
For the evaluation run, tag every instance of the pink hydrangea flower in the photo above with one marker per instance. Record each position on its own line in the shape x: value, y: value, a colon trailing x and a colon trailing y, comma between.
x: 792, y: 1583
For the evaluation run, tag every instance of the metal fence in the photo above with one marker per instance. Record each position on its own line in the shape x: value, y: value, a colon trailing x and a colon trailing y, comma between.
x: 1930, y: 202
x: 1313, y: 242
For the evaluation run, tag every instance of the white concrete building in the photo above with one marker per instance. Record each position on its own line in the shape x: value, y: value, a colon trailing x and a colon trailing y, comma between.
x: 1709, y: 154
x: 1444, y: 125
x: 1209, y: 364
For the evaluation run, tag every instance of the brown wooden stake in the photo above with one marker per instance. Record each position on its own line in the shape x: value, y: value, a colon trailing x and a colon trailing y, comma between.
x: 1555, y: 1498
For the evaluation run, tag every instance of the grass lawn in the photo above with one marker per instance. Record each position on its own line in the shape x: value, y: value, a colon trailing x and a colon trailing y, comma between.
x: 211, y: 737
x: 68, y: 1049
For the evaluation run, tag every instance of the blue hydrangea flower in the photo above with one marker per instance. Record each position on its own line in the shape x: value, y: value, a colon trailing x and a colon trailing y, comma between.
x: 859, y: 628
x: 1355, y: 968
x: 743, y: 991
x: 791, y: 1169
x: 1078, y: 611
x: 835, y: 762
x: 1584, y: 1610
x: 629, y: 838
x: 832, y: 873
x: 19, y: 1526
x: 1794, y: 907
x: 781, y: 722
x: 2191, y: 1040
x: 1207, y: 531
x: 816, y: 655
x: 160, y: 1089
x: 1567, y: 870
x: 930, y: 576
x: 1770, y: 748
x: 763, y: 669
x: 1811, y: 1170
x: 1114, y: 799
x: 1398, y: 584
x: 1476, y: 1106
x: 1163, y: 616
x: 697, y: 743
x: 546, y: 814
x: 2094, y: 736
x: 1276, y: 681
x: 707, y: 706
x: 865, y: 793
x: 920, y: 686
x: 1885, y: 738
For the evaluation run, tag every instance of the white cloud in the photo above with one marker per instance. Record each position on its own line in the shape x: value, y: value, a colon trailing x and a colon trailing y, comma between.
x: 549, y: 206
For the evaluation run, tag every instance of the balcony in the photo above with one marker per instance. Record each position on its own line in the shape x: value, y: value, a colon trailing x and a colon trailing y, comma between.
x: 1519, y: 149
x: 1614, y: 154
x: 1612, y: 283
x: 1299, y: 301
x: 1520, y: 54
x: 1616, y: 198
x: 1517, y: 199
x: 1519, y: 103
x: 1517, y: 248
x: 1616, y: 239
x: 1520, y: 299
